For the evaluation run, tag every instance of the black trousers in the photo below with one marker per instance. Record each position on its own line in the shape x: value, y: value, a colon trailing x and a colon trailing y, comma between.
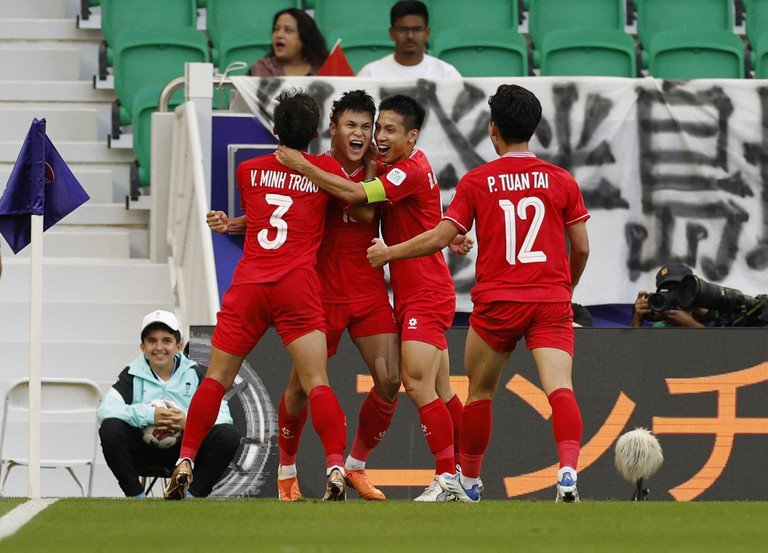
x: 128, y: 457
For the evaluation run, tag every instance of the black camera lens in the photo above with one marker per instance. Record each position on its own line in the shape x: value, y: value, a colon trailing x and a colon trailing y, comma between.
x: 662, y: 300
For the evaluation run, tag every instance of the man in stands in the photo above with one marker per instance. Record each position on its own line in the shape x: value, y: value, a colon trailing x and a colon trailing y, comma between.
x: 409, y: 29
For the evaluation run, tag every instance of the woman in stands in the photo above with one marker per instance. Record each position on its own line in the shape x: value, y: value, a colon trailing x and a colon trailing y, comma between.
x: 298, y: 47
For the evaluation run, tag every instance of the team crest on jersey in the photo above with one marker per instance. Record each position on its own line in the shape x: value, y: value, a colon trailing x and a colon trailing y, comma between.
x: 396, y: 176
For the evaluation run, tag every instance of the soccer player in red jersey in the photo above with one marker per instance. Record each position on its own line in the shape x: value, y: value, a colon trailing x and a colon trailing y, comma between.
x: 354, y: 297
x: 525, y: 277
x: 423, y: 288
x: 275, y: 283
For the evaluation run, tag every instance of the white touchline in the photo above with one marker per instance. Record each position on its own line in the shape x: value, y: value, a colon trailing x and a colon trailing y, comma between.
x: 14, y: 519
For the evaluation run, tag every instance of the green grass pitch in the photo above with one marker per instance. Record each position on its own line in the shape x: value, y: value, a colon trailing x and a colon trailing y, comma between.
x: 267, y: 525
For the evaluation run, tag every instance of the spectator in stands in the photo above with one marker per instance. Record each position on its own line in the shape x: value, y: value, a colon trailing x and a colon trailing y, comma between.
x: 162, y: 371
x: 298, y: 47
x: 667, y: 280
x: 409, y: 29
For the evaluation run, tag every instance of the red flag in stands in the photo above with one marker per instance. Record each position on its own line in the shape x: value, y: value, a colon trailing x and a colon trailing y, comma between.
x: 336, y: 65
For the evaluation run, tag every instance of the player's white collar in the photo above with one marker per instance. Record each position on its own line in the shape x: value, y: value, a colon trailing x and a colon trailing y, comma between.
x: 519, y: 154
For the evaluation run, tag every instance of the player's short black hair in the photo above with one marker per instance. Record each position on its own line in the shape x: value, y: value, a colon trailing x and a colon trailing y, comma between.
x: 408, y: 7
x: 516, y: 112
x: 296, y: 117
x: 412, y: 112
x: 354, y: 100
x: 160, y: 326
x: 313, y: 45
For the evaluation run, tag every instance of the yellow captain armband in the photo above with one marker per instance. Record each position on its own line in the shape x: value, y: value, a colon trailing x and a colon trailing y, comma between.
x: 374, y: 190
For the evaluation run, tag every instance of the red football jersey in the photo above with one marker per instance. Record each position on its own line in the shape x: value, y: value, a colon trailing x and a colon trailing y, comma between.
x: 413, y: 206
x: 521, y: 206
x: 342, y: 262
x: 285, y: 215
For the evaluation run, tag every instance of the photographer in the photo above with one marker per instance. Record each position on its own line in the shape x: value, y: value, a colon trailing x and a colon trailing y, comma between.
x: 667, y: 280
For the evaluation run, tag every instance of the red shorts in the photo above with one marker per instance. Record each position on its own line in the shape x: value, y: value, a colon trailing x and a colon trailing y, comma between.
x: 292, y: 305
x: 364, y: 318
x: 426, y: 317
x: 545, y: 325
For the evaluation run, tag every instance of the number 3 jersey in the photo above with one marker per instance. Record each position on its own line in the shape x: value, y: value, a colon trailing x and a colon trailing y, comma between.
x: 520, y: 205
x: 285, y: 216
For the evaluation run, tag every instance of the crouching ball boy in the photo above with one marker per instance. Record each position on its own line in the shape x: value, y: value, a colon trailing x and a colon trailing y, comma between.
x: 161, y: 372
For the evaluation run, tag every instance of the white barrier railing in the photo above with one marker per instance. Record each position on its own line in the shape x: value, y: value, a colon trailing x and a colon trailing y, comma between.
x: 191, y: 259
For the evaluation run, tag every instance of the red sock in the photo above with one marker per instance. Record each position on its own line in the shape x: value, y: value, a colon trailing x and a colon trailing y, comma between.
x: 288, y: 438
x: 456, y: 409
x: 566, y: 426
x: 330, y: 424
x: 475, y: 436
x: 438, y: 429
x: 373, y: 422
x: 201, y: 417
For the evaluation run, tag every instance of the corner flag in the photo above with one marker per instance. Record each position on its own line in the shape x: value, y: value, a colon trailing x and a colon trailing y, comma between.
x: 336, y: 65
x: 40, y: 184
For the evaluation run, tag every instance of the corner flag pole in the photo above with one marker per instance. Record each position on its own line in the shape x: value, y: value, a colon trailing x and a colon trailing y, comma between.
x: 35, y: 352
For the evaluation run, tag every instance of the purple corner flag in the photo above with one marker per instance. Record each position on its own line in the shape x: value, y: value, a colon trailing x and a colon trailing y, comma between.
x: 40, y: 184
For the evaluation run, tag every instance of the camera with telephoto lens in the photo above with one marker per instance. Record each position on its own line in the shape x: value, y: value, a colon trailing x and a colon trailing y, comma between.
x: 728, y: 306
x: 663, y: 300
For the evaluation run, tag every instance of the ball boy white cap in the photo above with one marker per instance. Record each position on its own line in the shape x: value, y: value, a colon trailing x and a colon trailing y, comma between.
x: 160, y: 316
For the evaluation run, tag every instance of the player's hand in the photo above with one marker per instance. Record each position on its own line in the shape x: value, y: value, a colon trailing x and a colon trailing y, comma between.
x: 217, y: 221
x: 293, y: 159
x: 462, y: 244
x: 377, y: 253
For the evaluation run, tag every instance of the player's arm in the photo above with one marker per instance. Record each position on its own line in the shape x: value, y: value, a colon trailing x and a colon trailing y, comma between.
x: 363, y: 213
x: 219, y: 222
x: 337, y: 186
x: 577, y: 235
x: 426, y: 243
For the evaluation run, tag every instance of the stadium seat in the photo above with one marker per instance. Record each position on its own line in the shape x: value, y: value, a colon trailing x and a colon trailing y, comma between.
x: 695, y: 54
x: 243, y: 44
x: 152, y: 56
x: 545, y: 16
x: 600, y: 52
x: 484, y: 52
x: 654, y: 16
x: 144, y: 105
x: 332, y: 15
x: 760, y: 57
x: 362, y: 45
x: 223, y: 15
x: 474, y: 14
x: 67, y: 407
x: 756, y: 23
x: 117, y: 15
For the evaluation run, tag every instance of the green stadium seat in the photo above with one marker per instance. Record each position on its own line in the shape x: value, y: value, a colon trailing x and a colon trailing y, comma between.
x: 484, y: 52
x: 474, y: 14
x: 695, y: 54
x: 760, y: 57
x: 332, y: 15
x: 148, y: 56
x: 756, y: 24
x: 144, y: 105
x: 223, y: 15
x: 545, y: 16
x: 600, y: 52
x: 654, y: 16
x: 361, y: 45
x: 243, y: 44
x: 117, y: 15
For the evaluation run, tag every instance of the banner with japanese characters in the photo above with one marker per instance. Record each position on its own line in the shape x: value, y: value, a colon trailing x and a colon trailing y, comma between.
x: 701, y: 392
x: 669, y: 170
